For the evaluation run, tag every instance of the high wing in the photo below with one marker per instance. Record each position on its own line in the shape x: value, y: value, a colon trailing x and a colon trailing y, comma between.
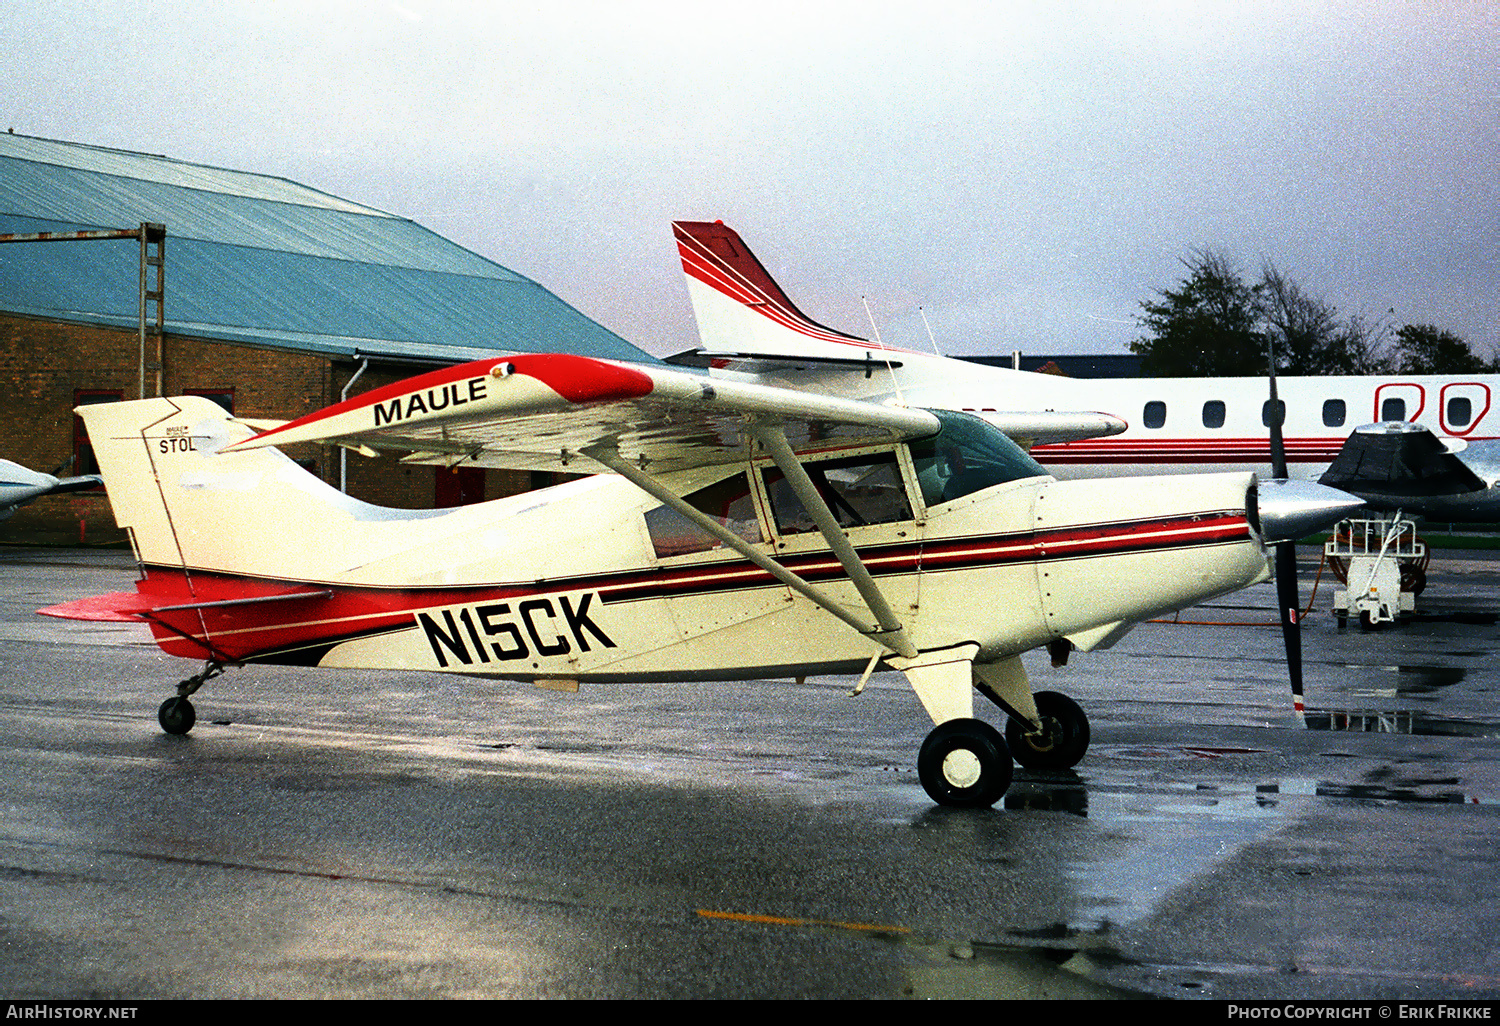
x: 570, y: 412
x: 547, y: 412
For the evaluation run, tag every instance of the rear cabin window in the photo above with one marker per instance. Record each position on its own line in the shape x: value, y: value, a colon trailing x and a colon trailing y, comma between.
x: 728, y: 501
x: 1460, y: 411
x: 1213, y: 414
x: 968, y: 454
x: 859, y: 490
x: 1393, y: 409
x: 1155, y: 414
x: 1334, y: 413
x: 1265, y: 412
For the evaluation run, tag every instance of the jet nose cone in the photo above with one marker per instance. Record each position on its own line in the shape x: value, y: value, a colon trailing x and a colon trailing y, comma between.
x: 1291, y: 509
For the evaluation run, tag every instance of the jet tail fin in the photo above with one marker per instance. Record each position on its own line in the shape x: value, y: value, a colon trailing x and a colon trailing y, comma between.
x: 740, y: 309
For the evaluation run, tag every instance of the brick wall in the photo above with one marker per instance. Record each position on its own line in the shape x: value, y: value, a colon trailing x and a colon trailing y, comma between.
x: 44, y: 364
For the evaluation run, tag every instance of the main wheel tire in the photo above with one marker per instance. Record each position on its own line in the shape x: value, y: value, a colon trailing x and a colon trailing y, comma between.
x: 176, y: 716
x: 964, y: 764
x: 1063, y: 739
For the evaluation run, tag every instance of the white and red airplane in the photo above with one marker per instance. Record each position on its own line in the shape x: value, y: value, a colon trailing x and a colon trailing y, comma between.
x: 19, y: 485
x: 752, y: 331
x: 733, y: 531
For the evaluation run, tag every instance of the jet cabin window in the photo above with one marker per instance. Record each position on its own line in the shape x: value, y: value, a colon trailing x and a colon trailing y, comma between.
x: 859, y: 490
x: 1393, y: 409
x: 1213, y: 413
x: 1334, y: 413
x: 1155, y: 414
x: 966, y: 455
x: 727, y: 501
x: 1460, y: 411
x: 1265, y: 413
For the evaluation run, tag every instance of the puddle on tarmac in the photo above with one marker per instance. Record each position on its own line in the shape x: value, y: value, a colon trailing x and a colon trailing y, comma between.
x: 1377, y: 684
x: 1397, y: 721
x: 1169, y: 837
x: 1172, y: 839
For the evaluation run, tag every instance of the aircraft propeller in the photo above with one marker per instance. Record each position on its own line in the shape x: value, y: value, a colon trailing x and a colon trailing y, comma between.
x: 1288, y: 600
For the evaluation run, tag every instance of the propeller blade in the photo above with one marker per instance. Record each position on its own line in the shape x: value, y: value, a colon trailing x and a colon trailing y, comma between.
x: 1287, y: 598
x: 1273, y: 416
x: 1289, y: 602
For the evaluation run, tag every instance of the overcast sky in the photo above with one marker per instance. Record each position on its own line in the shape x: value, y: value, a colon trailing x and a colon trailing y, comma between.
x: 1026, y: 173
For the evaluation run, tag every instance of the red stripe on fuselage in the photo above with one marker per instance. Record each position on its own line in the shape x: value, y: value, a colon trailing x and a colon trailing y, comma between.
x: 337, y: 612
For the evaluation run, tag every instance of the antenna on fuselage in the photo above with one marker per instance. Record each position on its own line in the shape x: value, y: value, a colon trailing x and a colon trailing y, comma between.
x: 881, y: 346
x: 929, y: 331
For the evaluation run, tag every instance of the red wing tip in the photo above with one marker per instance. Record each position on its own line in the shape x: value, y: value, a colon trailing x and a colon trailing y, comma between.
x: 116, y: 607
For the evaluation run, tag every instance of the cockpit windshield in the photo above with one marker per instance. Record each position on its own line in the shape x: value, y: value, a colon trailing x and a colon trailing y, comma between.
x: 968, y: 454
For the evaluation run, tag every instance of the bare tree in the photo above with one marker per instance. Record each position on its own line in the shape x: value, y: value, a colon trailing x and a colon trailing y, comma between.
x: 1216, y: 324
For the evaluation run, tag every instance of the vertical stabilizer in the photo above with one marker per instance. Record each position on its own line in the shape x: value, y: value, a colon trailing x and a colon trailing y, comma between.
x: 741, y: 310
x: 188, y: 505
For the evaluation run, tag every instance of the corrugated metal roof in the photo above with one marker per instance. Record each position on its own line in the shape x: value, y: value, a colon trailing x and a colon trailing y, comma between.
x: 256, y: 259
x: 146, y: 167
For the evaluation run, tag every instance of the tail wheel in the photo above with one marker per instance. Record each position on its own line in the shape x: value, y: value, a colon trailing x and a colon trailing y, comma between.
x: 176, y: 716
x: 964, y: 764
x: 1060, y: 743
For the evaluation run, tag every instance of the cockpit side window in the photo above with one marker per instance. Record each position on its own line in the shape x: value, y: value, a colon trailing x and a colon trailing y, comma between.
x: 859, y: 490
x: 968, y: 454
x: 728, y: 501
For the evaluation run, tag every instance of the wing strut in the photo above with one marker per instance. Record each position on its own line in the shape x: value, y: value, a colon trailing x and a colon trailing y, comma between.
x: 891, y: 631
x: 894, y: 639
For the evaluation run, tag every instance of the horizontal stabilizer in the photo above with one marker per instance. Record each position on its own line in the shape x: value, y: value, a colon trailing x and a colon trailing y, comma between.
x: 1045, y: 427
x: 767, y: 363
x: 116, y: 607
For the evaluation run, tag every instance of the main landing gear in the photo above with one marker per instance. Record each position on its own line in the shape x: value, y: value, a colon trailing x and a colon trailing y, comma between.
x: 176, y: 714
x: 1060, y: 743
x: 966, y: 763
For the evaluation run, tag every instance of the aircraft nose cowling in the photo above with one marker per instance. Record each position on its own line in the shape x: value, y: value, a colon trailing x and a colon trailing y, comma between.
x: 1294, y: 509
x: 1112, y: 552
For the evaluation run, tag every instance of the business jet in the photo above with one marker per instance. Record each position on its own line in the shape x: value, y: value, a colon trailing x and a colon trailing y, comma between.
x: 20, y: 485
x: 1433, y: 450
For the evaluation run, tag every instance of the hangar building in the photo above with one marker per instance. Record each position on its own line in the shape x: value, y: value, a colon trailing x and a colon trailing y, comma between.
x: 272, y: 298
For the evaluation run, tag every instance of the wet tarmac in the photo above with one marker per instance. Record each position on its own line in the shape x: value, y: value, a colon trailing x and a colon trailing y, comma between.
x: 343, y: 834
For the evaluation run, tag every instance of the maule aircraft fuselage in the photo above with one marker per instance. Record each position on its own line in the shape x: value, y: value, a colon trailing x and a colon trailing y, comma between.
x: 740, y: 532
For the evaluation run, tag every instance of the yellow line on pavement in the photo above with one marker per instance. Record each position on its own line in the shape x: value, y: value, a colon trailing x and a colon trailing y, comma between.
x: 745, y: 917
